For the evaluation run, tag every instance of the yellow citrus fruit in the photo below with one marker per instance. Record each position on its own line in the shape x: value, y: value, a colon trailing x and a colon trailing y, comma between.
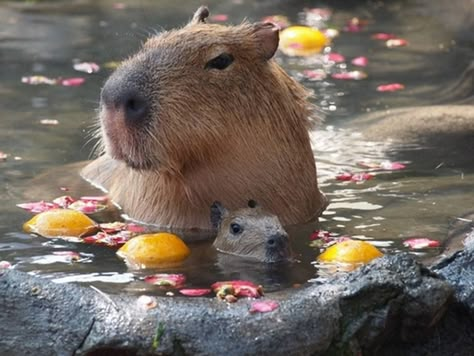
x: 302, y: 41
x: 153, y: 250
x: 60, y: 222
x: 350, y: 251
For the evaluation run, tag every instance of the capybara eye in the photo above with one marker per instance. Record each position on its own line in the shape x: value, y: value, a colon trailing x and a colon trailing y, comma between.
x: 236, y: 229
x: 222, y: 61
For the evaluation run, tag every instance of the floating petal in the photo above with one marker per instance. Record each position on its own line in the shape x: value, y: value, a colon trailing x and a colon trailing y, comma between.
x: 396, y: 42
x: 353, y: 75
x: 420, y: 243
x: 87, y: 67
x: 72, y: 82
x: 38, y: 207
x: 390, y: 87
x: 360, y: 61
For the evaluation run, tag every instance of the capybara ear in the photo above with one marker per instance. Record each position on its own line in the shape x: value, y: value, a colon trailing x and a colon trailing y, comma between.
x: 268, y: 37
x: 252, y: 204
x: 218, y: 212
x: 200, y: 16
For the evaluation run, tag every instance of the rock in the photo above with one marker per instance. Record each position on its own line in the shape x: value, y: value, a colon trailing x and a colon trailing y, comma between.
x: 391, y: 301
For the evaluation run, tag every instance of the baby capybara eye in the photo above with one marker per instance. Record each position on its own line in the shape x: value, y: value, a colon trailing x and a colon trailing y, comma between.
x: 220, y: 62
x: 236, y: 228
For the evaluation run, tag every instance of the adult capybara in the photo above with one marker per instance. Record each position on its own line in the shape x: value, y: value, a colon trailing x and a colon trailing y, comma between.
x: 200, y: 114
x: 251, y: 233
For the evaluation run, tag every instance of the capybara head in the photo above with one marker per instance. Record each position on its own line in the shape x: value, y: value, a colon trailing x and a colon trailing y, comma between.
x: 203, y: 113
x: 185, y: 93
x: 250, y: 232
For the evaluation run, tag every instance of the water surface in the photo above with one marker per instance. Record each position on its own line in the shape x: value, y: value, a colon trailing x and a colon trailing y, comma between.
x: 45, y: 38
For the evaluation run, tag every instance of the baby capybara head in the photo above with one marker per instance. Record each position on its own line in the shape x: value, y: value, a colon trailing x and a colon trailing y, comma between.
x: 173, y: 102
x: 250, y: 232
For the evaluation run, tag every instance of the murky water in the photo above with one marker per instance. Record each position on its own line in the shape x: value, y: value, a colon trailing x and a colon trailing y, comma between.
x: 46, y: 38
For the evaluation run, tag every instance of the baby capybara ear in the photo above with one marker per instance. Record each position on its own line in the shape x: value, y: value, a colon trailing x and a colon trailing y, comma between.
x: 268, y: 37
x: 218, y: 212
x: 200, y: 16
x: 252, y: 204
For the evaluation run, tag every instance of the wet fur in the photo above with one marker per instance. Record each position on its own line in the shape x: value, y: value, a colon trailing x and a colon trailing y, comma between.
x: 224, y: 135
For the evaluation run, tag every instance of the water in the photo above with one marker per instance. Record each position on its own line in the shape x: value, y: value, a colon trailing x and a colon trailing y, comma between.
x: 45, y: 39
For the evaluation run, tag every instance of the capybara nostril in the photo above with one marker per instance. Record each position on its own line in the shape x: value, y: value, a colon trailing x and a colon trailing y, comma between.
x: 277, y: 241
x: 130, y: 102
x: 135, y: 108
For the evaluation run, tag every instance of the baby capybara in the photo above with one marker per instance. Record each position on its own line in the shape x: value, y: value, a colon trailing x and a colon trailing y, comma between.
x: 251, y: 233
x: 203, y: 113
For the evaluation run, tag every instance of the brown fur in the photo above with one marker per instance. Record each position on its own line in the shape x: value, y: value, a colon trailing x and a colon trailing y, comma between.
x: 225, y: 135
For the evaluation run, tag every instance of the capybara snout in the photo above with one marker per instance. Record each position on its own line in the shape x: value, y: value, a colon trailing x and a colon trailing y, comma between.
x: 124, y: 93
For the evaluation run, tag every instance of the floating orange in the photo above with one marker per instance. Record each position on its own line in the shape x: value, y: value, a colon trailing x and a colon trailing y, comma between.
x: 60, y: 223
x: 302, y: 41
x: 350, y: 251
x: 153, y: 250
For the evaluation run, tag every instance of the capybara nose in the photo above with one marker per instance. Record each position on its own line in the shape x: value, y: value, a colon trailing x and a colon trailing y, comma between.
x: 278, y: 241
x: 129, y: 101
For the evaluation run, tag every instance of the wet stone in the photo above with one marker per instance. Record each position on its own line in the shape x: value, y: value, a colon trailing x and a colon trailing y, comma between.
x: 393, y: 300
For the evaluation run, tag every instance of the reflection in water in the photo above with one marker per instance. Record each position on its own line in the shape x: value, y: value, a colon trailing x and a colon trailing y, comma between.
x: 45, y: 39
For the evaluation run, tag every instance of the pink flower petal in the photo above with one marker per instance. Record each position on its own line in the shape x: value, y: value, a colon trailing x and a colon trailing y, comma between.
x: 87, y: 207
x: 64, y: 201
x: 383, y: 36
x: 361, y: 177
x: 323, y: 235
x: 390, y: 87
x: 263, y: 306
x: 5, y: 265
x: 72, y: 82
x: 314, y: 75
x: 336, y: 57
x: 113, y: 227
x: 135, y: 228
x: 385, y: 165
x: 396, y: 42
x: 166, y: 279
x: 354, y: 177
x: 354, y: 75
x: 111, y: 240
x: 420, y: 243
x: 87, y: 67
x: 392, y: 166
x: 219, y: 17
x: 195, y: 292
x: 98, y: 199
x: 38, y: 207
x: 360, y: 61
